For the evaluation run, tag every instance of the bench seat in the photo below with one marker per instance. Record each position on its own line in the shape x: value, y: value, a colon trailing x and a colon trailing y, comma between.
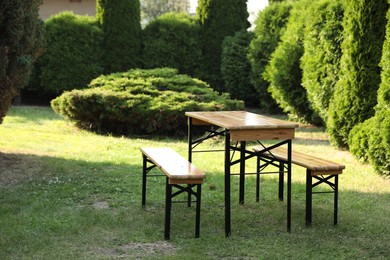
x: 178, y: 171
x: 319, y: 169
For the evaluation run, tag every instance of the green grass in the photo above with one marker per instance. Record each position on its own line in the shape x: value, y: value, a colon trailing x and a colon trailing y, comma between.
x: 54, y: 177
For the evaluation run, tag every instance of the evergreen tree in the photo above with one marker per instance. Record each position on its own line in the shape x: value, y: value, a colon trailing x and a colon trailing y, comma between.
x: 219, y: 18
x: 355, y: 94
x: 284, y: 72
x: 21, y: 42
x: 269, y: 26
x: 121, y: 24
x: 321, y: 59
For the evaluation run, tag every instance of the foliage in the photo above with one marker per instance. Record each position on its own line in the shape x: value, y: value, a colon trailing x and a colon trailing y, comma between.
x: 218, y: 18
x: 140, y: 102
x: 121, y: 24
x: 371, y: 139
x: 355, y: 94
x: 172, y: 40
x: 269, y: 26
x: 284, y: 72
x: 21, y: 43
x: 73, y: 56
x: 322, y: 52
x: 235, y: 68
x: 151, y: 9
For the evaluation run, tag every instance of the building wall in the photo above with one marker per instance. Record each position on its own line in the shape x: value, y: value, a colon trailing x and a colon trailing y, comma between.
x: 81, y: 7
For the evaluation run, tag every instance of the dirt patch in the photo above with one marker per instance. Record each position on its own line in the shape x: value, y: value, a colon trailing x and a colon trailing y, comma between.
x: 140, y: 250
x: 17, y: 168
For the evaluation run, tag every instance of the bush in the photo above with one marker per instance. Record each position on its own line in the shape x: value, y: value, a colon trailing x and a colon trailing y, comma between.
x: 172, y: 40
x: 321, y: 58
x: 284, y: 72
x: 21, y: 43
x: 73, y: 55
x: 371, y: 139
x: 355, y: 94
x: 269, y: 26
x: 218, y: 18
x: 235, y: 68
x: 120, y: 21
x: 140, y: 102
x: 379, y: 143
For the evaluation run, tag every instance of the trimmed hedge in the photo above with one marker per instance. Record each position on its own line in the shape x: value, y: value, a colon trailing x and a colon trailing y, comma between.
x: 355, y: 94
x: 284, y: 72
x: 321, y: 60
x: 371, y: 140
x: 73, y: 54
x: 218, y: 18
x: 172, y: 40
x: 236, y: 69
x: 140, y: 102
x: 21, y: 43
x: 269, y: 26
x: 120, y: 21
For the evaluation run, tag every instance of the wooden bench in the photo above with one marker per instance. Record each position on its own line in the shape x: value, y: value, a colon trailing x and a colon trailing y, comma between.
x: 316, y: 168
x: 178, y: 171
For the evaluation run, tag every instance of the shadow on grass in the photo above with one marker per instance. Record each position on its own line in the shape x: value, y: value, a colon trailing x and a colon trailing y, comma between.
x: 48, y: 209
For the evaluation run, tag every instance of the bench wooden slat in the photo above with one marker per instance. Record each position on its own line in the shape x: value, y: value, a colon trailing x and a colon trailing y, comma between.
x: 177, y: 169
x: 318, y: 166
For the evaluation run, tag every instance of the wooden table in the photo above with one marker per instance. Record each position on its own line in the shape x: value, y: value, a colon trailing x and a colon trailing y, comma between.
x: 240, y: 127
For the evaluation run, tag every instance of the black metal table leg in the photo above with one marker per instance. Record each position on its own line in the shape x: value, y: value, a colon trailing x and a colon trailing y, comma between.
x: 281, y: 180
x: 336, y: 194
x: 289, y: 153
x: 242, y: 171
x: 227, y: 185
x: 309, y: 197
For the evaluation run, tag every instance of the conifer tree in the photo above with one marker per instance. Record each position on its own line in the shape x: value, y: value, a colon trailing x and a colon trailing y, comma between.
x: 355, y: 94
x: 121, y: 24
x: 21, y: 42
x: 219, y: 18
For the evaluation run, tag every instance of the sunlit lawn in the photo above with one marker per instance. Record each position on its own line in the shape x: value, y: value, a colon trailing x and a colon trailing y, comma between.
x: 70, y: 194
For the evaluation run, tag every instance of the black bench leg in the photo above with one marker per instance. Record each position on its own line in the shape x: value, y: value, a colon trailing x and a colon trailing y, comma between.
x: 197, y: 218
x: 308, y: 197
x: 168, y: 205
x: 144, y: 171
x: 258, y: 179
x: 281, y: 180
x: 336, y: 193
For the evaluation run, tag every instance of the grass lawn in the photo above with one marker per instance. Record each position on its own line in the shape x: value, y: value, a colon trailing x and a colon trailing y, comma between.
x: 70, y: 194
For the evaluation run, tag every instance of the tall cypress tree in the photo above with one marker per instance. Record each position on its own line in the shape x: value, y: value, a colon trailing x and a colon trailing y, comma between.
x: 121, y: 24
x: 355, y: 94
x: 21, y: 42
x: 219, y: 18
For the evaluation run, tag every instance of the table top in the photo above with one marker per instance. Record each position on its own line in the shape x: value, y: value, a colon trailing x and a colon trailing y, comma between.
x: 240, y: 120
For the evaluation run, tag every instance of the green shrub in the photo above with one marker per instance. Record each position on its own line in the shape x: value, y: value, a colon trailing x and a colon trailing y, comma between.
x: 235, y: 68
x: 269, y: 26
x: 284, y: 72
x: 21, y: 43
x: 172, y: 40
x: 120, y: 21
x: 73, y: 55
x: 355, y: 94
x: 218, y: 18
x: 371, y: 139
x: 140, y: 102
x: 321, y: 58
x: 358, y: 139
x: 379, y: 143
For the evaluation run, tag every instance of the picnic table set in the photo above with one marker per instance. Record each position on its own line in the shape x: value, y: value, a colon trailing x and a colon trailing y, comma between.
x: 238, y: 128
